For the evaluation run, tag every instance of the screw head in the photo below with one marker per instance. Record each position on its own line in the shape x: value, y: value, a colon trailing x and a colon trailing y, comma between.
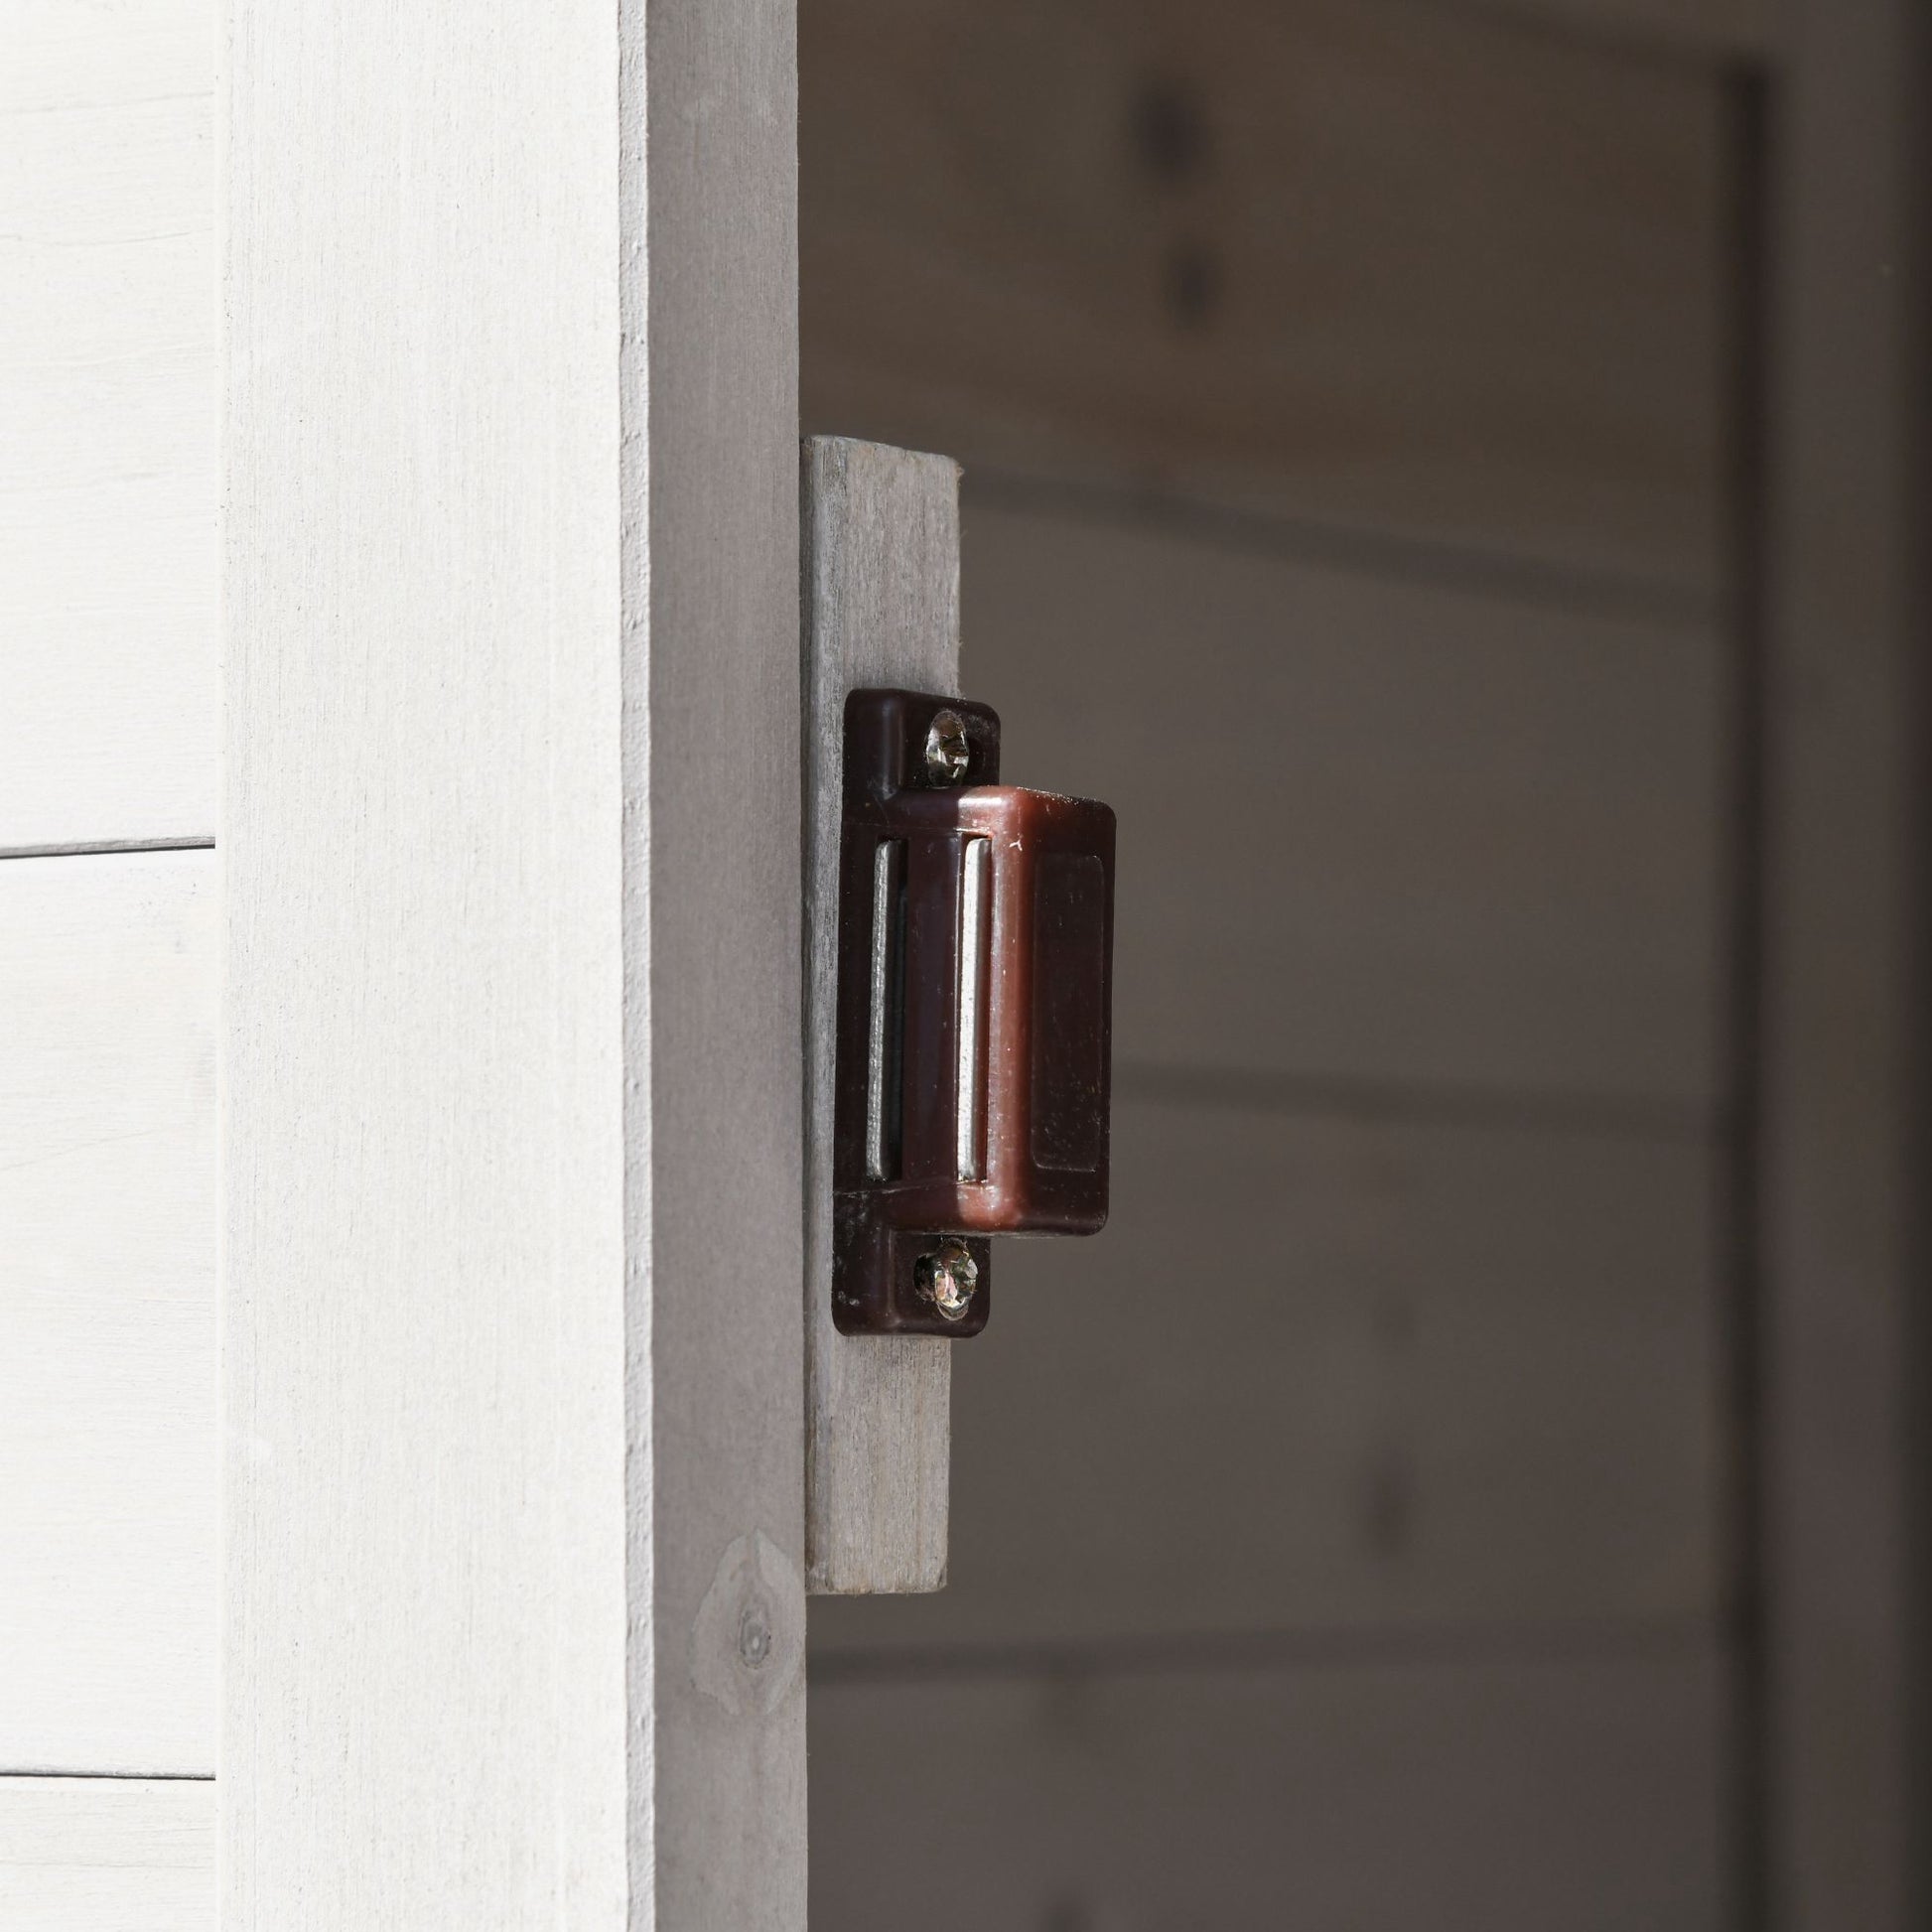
x: 948, y: 749
x: 947, y: 1277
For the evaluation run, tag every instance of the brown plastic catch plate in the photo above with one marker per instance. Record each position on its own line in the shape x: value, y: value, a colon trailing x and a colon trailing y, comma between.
x: 974, y: 1010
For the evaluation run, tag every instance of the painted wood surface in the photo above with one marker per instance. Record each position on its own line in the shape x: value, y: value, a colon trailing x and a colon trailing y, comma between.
x: 107, y: 1854
x: 1321, y: 1374
x: 1436, y: 1794
x: 513, y: 1363
x: 1843, y: 1217
x: 108, y: 1448
x: 880, y: 607
x: 1374, y: 832
x: 108, y: 396
x: 1413, y: 269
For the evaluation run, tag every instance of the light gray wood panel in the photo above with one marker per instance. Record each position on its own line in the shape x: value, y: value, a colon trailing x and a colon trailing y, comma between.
x: 1370, y: 829
x: 1403, y: 266
x: 711, y: 326
x: 1332, y: 1375
x: 108, y: 1451
x: 107, y: 1855
x: 1844, y: 1218
x: 882, y: 608
x: 107, y: 391
x: 1571, y: 1793
x: 512, y: 1126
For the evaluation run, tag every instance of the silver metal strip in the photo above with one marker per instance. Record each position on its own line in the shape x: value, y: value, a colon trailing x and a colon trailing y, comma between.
x: 879, y: 1019
x: 975, y: 907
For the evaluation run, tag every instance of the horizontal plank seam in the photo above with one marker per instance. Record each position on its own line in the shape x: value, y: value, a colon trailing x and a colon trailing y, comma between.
x: 106, y: 848
x: 1280, y: 1650
x: 1332, y: 1095
x: 115, y: 1777
x: 1371, y: 553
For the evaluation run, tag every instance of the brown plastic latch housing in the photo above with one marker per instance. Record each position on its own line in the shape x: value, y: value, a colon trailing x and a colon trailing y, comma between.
x: 974, y: 1015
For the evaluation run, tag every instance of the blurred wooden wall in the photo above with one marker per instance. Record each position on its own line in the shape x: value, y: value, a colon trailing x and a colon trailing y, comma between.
x: 1354, y: 402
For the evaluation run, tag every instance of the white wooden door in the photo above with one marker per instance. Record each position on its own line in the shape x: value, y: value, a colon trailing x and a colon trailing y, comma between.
x: 499, y: 939
x: 108, y: 944
x: 511, y: 1127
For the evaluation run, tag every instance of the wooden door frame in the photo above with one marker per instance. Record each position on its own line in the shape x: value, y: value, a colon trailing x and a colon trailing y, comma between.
x: 1838, y: 1112
x: 511, y: 1129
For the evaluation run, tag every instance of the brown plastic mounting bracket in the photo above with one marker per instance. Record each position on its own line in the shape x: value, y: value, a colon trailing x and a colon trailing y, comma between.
x: 974, y: 1015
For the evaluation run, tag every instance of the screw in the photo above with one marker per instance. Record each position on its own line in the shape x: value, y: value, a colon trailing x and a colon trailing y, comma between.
x: 947, y: 1277
x: 947, y: 748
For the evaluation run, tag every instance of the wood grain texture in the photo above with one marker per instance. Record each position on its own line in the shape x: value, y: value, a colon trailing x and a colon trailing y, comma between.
x: 1843, y: 1222
x: 108, y: 393
x: 108, y: 1451
x: 1371, y: 830
x: 711, y: 362
x: 107, y: 1854
x: 880, y: 607
x: 512, y: 1130
x: 1567, y: 1793
x: 1412, y: 268
x: 1332, y: 1375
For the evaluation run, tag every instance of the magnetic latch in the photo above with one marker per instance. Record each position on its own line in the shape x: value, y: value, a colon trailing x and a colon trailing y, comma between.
x: 974, y: 1015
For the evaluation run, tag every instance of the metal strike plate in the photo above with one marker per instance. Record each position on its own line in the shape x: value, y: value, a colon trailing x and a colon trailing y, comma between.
x: 974, y: 1015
